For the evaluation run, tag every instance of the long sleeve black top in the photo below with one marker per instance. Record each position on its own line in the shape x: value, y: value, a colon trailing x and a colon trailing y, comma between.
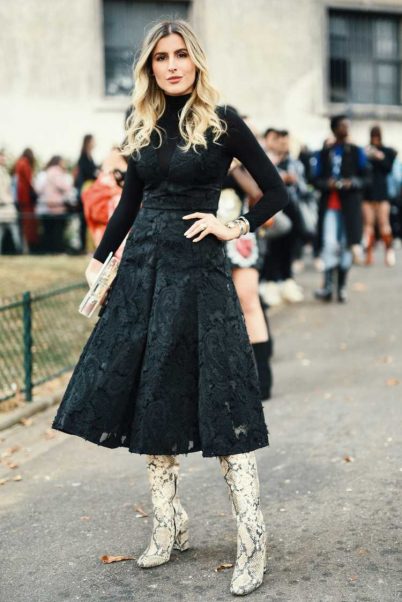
x: 239, y: 142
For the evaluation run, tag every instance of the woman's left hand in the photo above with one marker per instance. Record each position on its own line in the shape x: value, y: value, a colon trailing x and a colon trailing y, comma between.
x: 213, y: 226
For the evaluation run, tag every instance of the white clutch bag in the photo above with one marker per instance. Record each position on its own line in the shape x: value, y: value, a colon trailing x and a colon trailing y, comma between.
x: 92, y: 300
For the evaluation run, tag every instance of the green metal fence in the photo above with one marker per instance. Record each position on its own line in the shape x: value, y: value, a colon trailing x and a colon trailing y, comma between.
x: 41, y: 336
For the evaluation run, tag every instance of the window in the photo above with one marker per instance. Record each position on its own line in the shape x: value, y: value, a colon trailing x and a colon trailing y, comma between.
x: 124, y: 23
x: 364, y: 57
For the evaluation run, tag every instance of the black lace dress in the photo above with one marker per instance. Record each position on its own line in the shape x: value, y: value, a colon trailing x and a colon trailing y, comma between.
x: 168, y: 367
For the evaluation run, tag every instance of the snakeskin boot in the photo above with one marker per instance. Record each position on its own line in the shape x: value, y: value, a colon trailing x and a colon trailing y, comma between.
x: 170, y: 524
x: 241, y: 475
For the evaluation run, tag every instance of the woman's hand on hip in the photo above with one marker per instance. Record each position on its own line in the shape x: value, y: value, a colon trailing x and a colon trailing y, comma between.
x: 208, y: 223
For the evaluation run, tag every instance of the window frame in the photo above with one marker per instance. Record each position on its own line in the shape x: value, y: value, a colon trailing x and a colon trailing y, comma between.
x: 354, y: 109
x: 114, y: 103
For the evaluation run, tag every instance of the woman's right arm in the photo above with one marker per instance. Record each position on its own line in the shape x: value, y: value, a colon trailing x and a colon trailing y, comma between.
x: 121, y: 221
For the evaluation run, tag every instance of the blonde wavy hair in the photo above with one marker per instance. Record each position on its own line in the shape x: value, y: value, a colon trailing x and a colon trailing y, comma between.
x: 148, y: 100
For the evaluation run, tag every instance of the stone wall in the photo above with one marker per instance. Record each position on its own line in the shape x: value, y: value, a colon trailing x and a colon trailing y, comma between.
x: 267, y: 57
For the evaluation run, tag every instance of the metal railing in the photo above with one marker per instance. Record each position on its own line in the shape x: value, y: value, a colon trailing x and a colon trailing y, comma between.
x: 41, y: 335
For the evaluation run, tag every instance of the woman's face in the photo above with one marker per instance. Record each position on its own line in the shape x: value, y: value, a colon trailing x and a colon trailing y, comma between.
x: 172, y: 66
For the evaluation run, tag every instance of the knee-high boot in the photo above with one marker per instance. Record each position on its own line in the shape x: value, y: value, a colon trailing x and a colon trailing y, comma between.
x: 342, y: 277
x: 241, y: 475
x: 170, y: 523
x: 325, y: 293
x: 262, y: 354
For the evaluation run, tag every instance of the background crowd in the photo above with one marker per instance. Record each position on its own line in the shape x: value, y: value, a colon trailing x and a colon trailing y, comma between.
x: 344, y: 199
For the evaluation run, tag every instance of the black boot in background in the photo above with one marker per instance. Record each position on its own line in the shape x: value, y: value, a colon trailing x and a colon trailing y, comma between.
x: 265, y: 308
x: 325, y: 293
x: 261, y: 353
x: 342, y: 276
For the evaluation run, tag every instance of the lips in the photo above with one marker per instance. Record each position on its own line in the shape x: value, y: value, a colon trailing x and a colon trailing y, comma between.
x: 174, y: 79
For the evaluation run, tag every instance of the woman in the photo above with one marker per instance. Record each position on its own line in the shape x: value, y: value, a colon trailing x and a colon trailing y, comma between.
x: 87, y: 172
x: 101, y: 198
x: 26, y: 201
x: 168, y: 368
x: 8, y: 210
x: 277, y: 269
x: 376, y: 207
x: 54, y: 186
x: 245, y: 261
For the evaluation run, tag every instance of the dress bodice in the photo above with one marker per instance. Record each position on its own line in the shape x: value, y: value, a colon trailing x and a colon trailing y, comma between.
x: 192, y: 179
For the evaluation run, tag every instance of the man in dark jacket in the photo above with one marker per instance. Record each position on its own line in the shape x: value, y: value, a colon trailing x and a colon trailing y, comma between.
x: 342, y: 173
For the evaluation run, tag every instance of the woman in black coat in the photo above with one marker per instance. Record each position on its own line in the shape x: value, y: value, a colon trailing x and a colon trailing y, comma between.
x: 376, y: 207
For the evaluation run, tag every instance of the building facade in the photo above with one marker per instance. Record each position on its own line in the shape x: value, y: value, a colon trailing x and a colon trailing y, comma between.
x: 66, y: 68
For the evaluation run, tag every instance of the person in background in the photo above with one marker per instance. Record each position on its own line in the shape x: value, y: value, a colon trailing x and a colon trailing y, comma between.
x: 308, y: 160
x: 26, y: 201
x: 87, y: 171
x: 394, y: 181
x: 244, y: 260
x: 376, y: 206
x: 269, y: 142
x: 342, y: 173
x: 54, y: 185
x: 277, y: 268
x: 8, y: 210
x: 101, y: 198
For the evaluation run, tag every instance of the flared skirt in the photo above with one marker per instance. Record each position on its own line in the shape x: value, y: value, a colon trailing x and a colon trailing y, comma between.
x: 168, y: 367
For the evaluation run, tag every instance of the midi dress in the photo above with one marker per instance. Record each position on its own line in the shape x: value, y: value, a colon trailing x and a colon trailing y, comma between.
x: 168, y: 367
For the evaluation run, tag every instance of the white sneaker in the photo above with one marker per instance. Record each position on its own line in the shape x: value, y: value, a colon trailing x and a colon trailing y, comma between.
x: 291, y: 291
x: 390, y: 259
x: 357, y: 254
x: 270, y: 293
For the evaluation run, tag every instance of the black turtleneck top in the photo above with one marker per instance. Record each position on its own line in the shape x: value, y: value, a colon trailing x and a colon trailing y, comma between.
x: 239, y: 142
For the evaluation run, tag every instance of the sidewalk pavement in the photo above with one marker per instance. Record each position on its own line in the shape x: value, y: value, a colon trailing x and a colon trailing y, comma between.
x: 331, y: 479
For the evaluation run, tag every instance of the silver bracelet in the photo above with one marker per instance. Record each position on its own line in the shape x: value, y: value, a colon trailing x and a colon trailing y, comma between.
x: 233, y: 223
x: 246, y: 223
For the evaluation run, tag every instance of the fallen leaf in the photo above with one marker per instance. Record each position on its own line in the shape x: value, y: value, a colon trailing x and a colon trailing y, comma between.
x: 392, y: 382
x: 387, y: 359
x: 26, y: 421
x: 223, y: 566
x: 10, y: 464
x: 13, y: 449
x: 108, y: 559
x: 85, y: 518
x: 362, y: 551
x: 17, y: 477
x: 353, y: 578
x: 140, y: 512
x: 2, y: 481
x: 49, y: 434
x: 359, y: 287
x: 348, y: 458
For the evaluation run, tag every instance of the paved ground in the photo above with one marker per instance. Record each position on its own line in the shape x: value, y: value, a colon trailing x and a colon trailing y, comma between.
x: 331, y: 480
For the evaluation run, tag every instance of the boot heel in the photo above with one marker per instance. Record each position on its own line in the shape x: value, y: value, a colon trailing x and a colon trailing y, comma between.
x: 181, y: 539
